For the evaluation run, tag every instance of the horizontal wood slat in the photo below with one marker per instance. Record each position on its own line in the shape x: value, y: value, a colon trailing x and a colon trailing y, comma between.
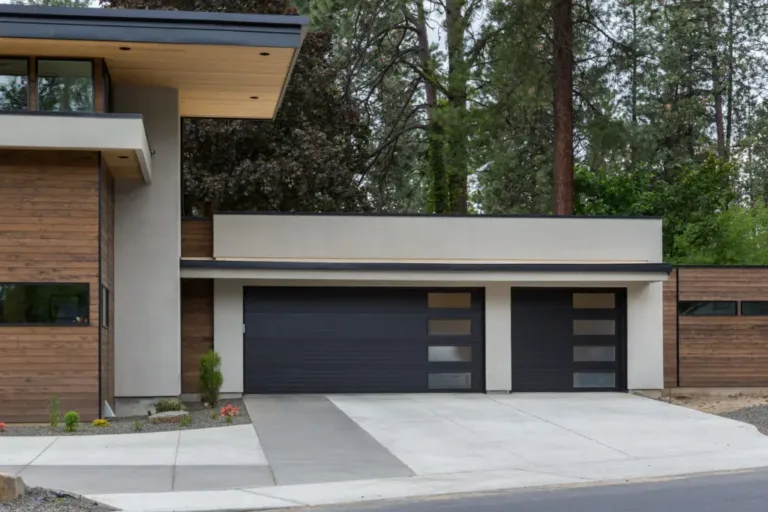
x: 197, y: 238
x: 196, y: 328
x: 49, y: 232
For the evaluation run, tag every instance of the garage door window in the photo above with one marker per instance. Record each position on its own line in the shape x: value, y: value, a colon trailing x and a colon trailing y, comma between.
x: 450, y: 354
x: 594, y: 300
x: 440, y: 327
x: 594, y: 354
x: 449, y: 380
x: 594, y: 327
x: 449, y: 300
x: 594, y: 380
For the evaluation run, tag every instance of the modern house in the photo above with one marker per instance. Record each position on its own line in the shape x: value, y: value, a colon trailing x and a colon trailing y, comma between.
x: 109, y: 297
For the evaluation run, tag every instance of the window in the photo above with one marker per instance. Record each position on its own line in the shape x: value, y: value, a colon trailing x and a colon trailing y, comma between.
x: 706, y: 308
x: 754, y: 308
x: 449, y: 380
x: 593, y: 354
x: 449, y: 327
x: 65, y: 85
x: 594, y: 327
x: 449, y: 300
x: 594, y: 380
x: 104, y: 306
x: 594, y: 300
x: 14, y: 84
x: 450, y: 354
x: 44, y: 304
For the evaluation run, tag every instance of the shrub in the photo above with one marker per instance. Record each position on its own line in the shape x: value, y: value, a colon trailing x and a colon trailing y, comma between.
x: 71, y: 419
x: 2, y: 427
x: 228, y: 420
x: 170, y: 405
x: 229, y: 411
x: 100, y: 423
x: 137, y: 426
x: 185, y: 421
x: 53, y: 412
x: 214, y: 415
x: 211, y: 378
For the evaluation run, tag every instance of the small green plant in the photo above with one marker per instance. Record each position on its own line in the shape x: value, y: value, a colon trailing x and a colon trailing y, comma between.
x: 228, y: 420
x: 137, y: 426
x: 211, y: 378
x: 185, y: 421
x: 53, y: 412
x: 71, y: 419
x: 100, y: 423
x: 171, y: 404
x: 214, y: 415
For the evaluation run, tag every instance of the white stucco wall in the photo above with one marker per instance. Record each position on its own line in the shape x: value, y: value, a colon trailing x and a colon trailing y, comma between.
x: 147, y: 251
x: 432, y: 238
x: 498, y: 337
x: 645, y: 336
x: 228, y: 332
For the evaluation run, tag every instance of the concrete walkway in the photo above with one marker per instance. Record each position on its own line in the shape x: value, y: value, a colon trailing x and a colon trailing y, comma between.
x: 389, y: 447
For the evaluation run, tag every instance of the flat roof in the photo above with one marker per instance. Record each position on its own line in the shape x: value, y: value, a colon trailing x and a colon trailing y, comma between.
x: 223, y: 64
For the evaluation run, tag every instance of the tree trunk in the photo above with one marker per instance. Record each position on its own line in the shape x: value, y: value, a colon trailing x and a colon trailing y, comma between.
x: 438, y: 183
x: 563, y: 94
x: 729, y: 85
x: 456, y: 136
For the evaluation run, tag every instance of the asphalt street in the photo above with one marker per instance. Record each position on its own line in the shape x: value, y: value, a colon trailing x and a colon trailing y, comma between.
x: 733, y: 492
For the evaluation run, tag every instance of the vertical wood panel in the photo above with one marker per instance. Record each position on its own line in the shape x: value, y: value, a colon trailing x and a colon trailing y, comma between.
x: 197, y: 238
x: 99, y: 94
x: 49, y: 230
x: 196, y: 328
x: 33, y: 83
x: 670, y: 331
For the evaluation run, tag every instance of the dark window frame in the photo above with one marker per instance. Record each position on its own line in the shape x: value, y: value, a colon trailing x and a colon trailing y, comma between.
x: 66, y: 59
x: 87, y: 323
x: 734, y: 302
x: 741, y: 307
x: 28, y: 75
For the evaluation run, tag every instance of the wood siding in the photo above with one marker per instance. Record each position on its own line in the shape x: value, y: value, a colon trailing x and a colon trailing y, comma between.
x: 108, y: 280
x: 722, y: 351
x: 197, y: 238
x: 670, y: 331
x: 49, y: 232
x: 196, y: 328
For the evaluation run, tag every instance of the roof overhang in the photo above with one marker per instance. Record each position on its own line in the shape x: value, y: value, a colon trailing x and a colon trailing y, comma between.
x: 120, y: 138
x: 217, y: 61
x: 450, y: 272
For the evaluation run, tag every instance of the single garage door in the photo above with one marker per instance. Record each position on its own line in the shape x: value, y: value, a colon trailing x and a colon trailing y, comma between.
x: 568, y: 339
x: 363, y: 340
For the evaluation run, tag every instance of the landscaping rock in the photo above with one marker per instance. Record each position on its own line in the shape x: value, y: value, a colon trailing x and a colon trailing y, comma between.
x: 168, y: 417
x: 11, y: 487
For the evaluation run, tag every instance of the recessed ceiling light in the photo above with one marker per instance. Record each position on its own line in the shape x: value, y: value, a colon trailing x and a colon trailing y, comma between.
x: 125, y: 49
x: 264, y: 54
x: 254, y: 97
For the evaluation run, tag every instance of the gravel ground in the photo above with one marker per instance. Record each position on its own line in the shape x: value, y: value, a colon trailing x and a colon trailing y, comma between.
x: 757, y: 416
x: 201, y: 418
x: 44, y: 500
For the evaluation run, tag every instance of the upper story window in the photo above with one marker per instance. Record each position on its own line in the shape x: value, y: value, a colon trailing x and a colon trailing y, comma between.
x: 14, y: 84
x: 65, y: 85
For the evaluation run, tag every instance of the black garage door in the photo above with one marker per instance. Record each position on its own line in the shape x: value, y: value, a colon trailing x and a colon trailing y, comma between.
x: 568, y: 339
x: 362, y: 340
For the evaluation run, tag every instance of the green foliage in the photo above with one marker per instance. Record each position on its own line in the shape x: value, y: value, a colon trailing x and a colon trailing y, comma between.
x: 185, y: 421
x: 137, y: 426
x: 214, y: 415
x: 170, y: 404
x: 210, y: 377
x: 54, y: 412
x: 71, y: 421
x: 102, y: 423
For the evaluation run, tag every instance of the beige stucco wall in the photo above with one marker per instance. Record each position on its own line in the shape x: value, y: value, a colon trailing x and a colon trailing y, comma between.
x: 645, y: 336
x: 432, y: 238
x: 147, y: 251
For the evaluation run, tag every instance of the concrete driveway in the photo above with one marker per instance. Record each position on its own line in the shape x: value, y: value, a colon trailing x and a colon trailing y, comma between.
x: 352, y: 437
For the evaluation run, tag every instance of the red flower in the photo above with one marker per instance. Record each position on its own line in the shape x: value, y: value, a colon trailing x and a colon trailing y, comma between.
x: 229, y: 411
x: 2, y: 427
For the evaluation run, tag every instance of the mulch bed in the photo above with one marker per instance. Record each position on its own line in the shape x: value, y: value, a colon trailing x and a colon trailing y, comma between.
x: 201, y: 418
x: 43, y: 500
x: 757, y: 416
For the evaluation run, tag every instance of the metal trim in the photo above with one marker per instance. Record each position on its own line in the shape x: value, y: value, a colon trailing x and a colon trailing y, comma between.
x: 437, y: 215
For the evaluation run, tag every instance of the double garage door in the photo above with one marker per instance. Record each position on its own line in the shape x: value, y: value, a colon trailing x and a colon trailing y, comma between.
x: 363, y: 340
x: 368, y: 340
